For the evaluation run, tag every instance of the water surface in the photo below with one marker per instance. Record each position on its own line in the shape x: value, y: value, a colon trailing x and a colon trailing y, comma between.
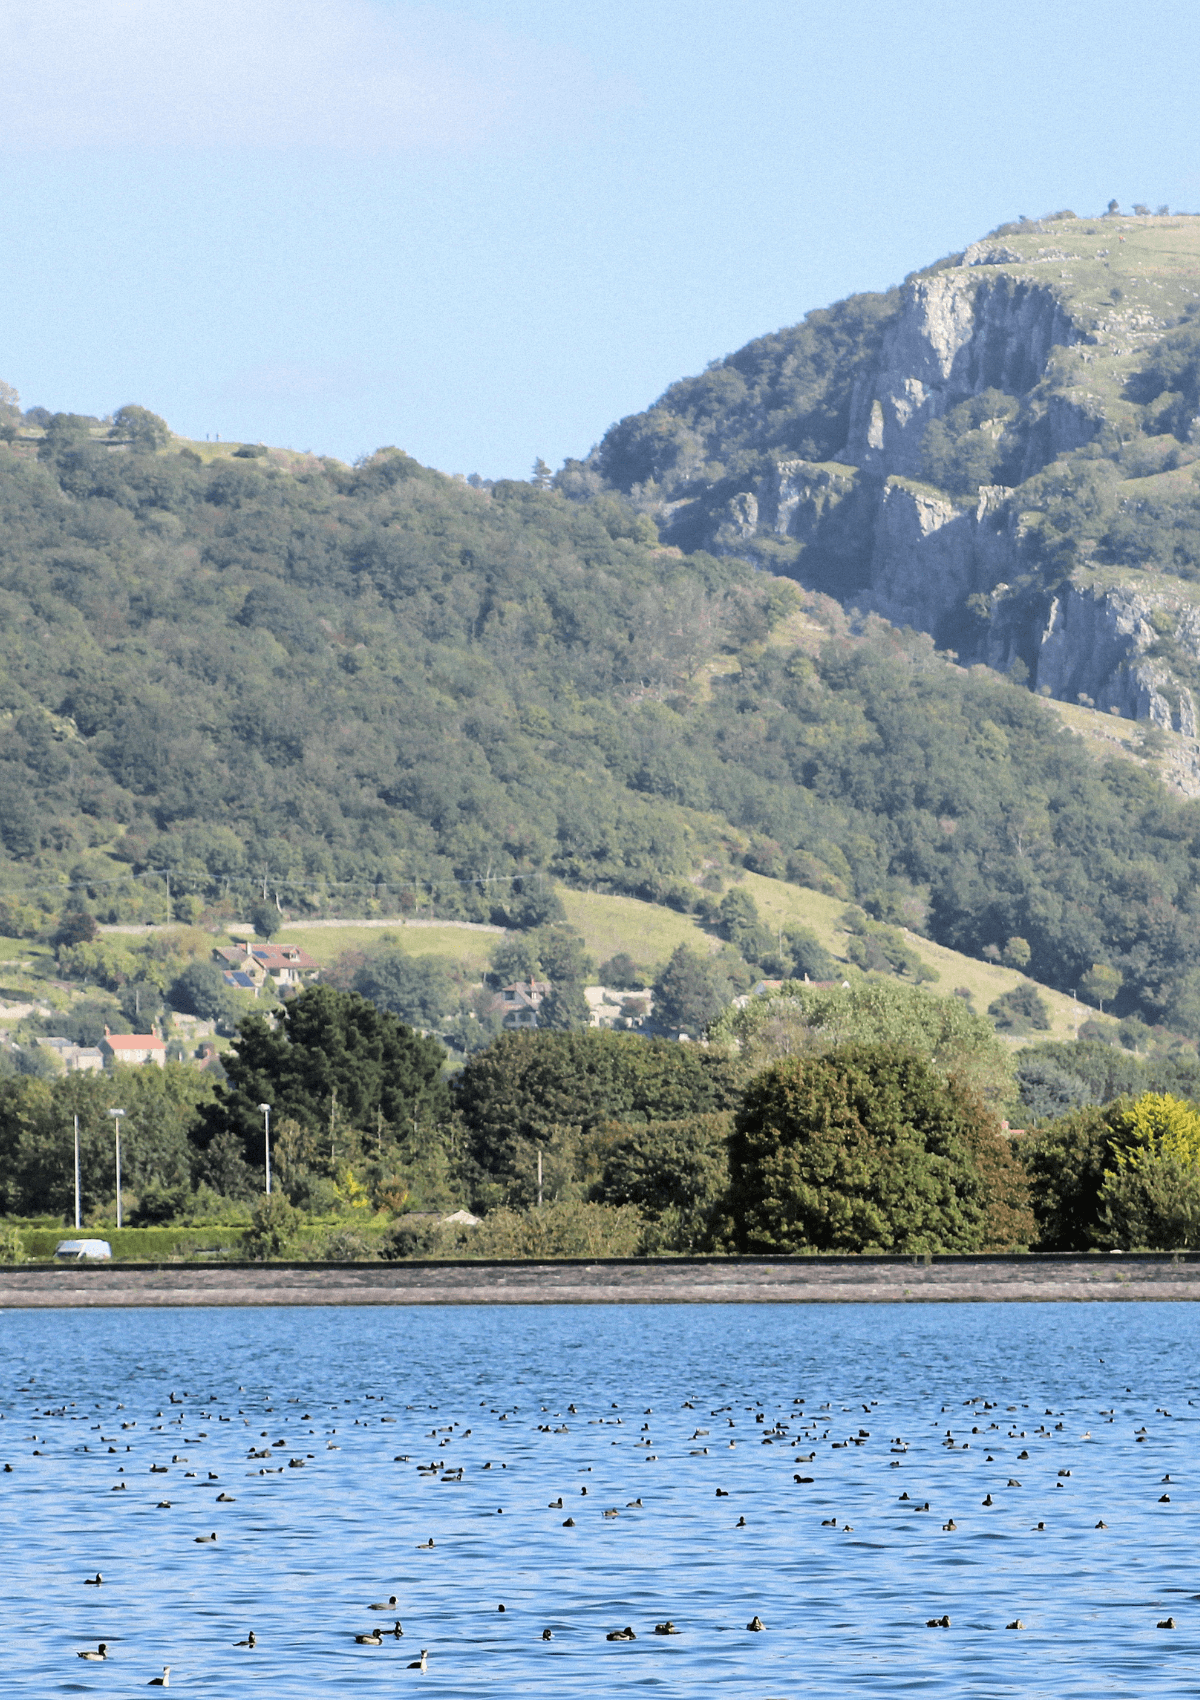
x: 390, y: 1419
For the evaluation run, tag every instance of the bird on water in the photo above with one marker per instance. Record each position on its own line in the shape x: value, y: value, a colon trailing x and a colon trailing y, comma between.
x: 101, y: 1652
x: 163, y: 1681
x: 421, y: 1663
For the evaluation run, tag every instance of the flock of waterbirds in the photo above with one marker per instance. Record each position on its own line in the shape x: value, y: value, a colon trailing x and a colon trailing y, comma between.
x: 811, y: 1443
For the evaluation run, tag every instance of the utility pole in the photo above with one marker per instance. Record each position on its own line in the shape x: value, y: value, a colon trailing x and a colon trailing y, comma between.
x: 116, y: 1115
x: 77, y: 1222
x: 266, y: 1110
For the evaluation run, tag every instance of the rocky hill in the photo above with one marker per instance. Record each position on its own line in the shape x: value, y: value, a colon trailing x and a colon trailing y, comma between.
x: 1001, y: 453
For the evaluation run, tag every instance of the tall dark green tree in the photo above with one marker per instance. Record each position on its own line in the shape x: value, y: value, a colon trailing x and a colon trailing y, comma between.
x: 331, y: 1058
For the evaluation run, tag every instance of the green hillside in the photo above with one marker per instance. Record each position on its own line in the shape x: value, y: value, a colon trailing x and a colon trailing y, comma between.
x: 230, y: 675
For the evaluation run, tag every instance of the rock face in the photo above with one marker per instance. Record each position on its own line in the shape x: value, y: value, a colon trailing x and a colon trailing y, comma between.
x: 1093, y: 646
x: 957, y: 334
x: 884, y: 541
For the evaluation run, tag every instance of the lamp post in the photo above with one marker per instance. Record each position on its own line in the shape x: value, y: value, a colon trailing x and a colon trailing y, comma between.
x: 266, y: 1110
x: 77, y: 1223
x: 116, y: 1115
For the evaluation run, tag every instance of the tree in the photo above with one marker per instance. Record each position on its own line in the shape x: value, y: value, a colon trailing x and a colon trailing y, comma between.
x: 1100, y: 984
x: 514, y: 1095
x: 622, y: 973
x: 1020, y: 1010
x: 1065, y: 1162
x: 202, y: 990
x: 77, y: 926
x: 867, y: 1149
x: 803, y: 1020
x: 330, y: 1057
x: 1150, y: 1196
x: 565, y: 1009
x: 676, y: 1171
x: 541, y: 475
x: 273, y: 1227
x: 418, y: 989
x: 688, y: 993
x: 1017, y: 954
x: 140, y: 428
x: 266, y: 920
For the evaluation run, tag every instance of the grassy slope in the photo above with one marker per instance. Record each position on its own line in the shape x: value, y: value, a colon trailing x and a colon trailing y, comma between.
x: 649, y: 933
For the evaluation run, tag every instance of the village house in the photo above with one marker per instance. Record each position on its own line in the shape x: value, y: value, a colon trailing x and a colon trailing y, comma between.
x: 284, y: 964
x: 76, y: 1059
x: 519, y: 1003
x: 134, y: 1048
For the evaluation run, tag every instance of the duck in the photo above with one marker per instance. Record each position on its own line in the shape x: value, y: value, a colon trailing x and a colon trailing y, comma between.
x: 1015, y: 1624
x: 569, y: 1523
x: 756, y: 1625
x: 741, y: 1523
x: 988, y: 1501
x: 398, y: 1631
x: 625, y: 1634
x: 93, y: 1581
x: 1102, y: 1524
x: 421, y: 1663
x: 204, y: 1540
x: 101, y: 1652
x: 500, y: 1607
x: 950, y: 1526
x: 667, y: 1628
x: 1165, y: 1623
x: 547, y: 1634
x: 250, y: 1641
x: 226, y: 1498
x: 373, y: 1638
x: 556, y: 1504
x: 163, y: 1505
x: 163, y: 1681
x: 423, y: 1546
x: 384, y: 1605
x: 937, y: 1623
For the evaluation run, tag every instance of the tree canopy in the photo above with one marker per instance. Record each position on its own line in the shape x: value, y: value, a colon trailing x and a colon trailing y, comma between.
x: 868, y: 1149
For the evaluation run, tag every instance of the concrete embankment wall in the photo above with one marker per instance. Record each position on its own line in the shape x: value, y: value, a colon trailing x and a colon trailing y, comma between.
x: 799, y: 1280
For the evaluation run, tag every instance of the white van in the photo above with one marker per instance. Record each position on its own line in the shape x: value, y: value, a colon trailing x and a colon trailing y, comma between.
x: 77, y: 1250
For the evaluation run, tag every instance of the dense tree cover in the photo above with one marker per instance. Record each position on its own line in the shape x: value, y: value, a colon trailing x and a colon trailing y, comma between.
x: 868, y: 1149
x: 331, y: 1063
x: 158, y: 1154
x: 1053, y: 1078
x: 1125, y: 1178
x: 383, y: 686
x: 799, y: 1020
x: 676, y: 1173
x: 526, y: 1088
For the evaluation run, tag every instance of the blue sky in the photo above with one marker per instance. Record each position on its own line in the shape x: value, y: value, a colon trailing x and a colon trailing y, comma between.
x: 484, y: 230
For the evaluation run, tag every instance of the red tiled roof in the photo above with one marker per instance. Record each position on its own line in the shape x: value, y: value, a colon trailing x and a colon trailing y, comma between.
x: 134, y: 1042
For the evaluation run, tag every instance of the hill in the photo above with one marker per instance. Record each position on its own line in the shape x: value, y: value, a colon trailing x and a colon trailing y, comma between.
x: 230, y: 675
x: 1002, y: 453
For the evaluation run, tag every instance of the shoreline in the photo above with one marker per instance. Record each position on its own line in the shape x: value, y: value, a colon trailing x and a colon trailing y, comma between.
x: 1156, y: 1277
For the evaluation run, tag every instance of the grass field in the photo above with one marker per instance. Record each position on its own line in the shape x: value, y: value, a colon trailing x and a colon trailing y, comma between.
x: 455, y: 944
x: 646, y: 931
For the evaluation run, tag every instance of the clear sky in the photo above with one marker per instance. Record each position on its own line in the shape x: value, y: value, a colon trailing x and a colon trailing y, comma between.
x: 484, y: 229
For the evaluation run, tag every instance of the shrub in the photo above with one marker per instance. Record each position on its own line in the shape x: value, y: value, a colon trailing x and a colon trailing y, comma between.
x: 1021, y: 1010
x: 867, y: 1149
x: 273, y: 1227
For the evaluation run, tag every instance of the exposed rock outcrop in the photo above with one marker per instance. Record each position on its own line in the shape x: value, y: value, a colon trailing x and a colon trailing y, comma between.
x: 1094, y: 645
x: 957, y: 334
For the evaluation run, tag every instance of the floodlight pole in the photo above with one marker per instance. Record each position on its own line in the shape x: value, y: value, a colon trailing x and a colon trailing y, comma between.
x: 116, y: 1115
x: 77, y: 1222
x: 266, y: 1110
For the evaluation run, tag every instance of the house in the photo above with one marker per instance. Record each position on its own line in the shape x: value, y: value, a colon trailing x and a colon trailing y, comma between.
x: 76, y: 1059
x: 238, y: 980
x: 608, y: 1007
x: 285, y: 964
x: 519, y: 1003
x: 135, y: 1049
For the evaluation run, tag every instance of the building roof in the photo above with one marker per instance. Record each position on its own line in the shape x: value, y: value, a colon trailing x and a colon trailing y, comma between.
x: 272, y: 956
x: 133, y: 1041
x: 239, y: 978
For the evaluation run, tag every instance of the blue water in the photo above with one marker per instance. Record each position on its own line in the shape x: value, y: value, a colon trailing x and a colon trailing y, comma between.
x: 842, y: 1571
